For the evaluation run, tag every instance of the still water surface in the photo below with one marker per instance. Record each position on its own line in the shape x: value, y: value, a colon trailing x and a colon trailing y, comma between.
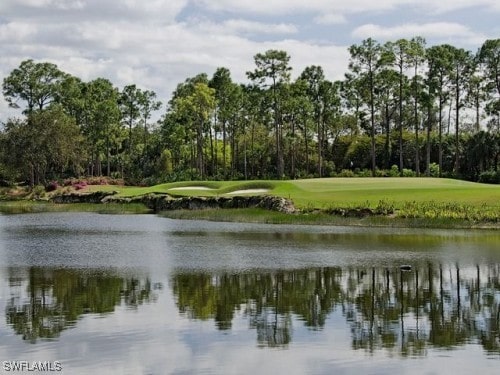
x: 124, y: 294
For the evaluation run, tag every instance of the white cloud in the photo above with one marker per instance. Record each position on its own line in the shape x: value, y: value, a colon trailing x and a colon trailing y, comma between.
x: 77, y: 10
x: 300, y: 6
x: 16, y: 32
x: 30, y: 3
x: 240, y: 25
x: 153, y: 55
x: 436, y: 30
x: 330, y: 19
x: 333, y: 59
x: 444, y: 6
x: 68, y: 5
x: 342, y: 7
x: 158, y: 43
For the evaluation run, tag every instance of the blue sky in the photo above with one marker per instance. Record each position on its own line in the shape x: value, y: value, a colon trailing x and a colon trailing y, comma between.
x: 159, y: 43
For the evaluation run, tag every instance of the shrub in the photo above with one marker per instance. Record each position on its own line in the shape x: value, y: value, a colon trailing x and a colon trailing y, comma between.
x: 38, y: 192
x: 346, y: 173
x: 434, y: 169
x: 381, y: 173
x: 394, y: 171
x: 384, y: 208
x: 51, y: 186
x: 80, y: 185
x: 490, y: 177
x: 408, y: 173
x: 99, y: 180
x: 364, y: 173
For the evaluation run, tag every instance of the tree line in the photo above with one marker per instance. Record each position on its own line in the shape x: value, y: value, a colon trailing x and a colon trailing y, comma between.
x: 402, y: 109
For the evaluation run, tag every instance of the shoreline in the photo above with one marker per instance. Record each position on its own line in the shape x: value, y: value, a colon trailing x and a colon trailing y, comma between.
x: 249, y: 215
x: 268, y: 217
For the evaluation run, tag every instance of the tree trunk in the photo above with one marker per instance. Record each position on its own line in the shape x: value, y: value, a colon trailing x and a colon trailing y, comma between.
x: 212, y: 153
x: 199, y: 150
x: 372, y: 116
x: 440, y: 137
x: 415, y: 116
x: 224, y: 164
x: 428, y: 143
x: 401, y: 160
x: 306, y: 146
x: 457, y: 113
x: 387, y: 146
x: 320, y: 143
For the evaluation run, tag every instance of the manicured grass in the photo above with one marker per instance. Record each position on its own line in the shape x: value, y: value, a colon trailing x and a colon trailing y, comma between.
x: 398, y: 191
x: 342, y: 192
x: 407, y: 202
x: 215, y: 188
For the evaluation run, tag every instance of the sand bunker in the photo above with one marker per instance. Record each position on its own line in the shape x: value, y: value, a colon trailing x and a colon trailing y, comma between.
x: 236, y: 192
x: 191, y: 188
x: 248, y: 191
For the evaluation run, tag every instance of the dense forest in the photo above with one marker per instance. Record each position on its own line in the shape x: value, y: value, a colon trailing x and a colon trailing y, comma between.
x: 402, y: 109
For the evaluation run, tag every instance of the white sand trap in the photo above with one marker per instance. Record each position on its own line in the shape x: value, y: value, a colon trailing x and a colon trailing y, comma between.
x: 248, y: 191
x: 191, y: 188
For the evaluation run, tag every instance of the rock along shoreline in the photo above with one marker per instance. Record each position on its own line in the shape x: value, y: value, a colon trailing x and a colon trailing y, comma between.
x: 165, y: 202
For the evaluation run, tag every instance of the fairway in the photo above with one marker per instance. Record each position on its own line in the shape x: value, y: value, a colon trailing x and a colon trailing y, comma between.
x: 370, y: 191
x: 336, y: 192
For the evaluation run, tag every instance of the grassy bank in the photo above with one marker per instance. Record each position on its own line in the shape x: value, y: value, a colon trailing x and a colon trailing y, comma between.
x: 338, y: 192
x: 410, y: 202
x: 322, y: 218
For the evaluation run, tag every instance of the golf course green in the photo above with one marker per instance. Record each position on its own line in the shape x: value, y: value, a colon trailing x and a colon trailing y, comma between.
x: 415, y: 202
x: 336, y: 192
x: 390, y: 201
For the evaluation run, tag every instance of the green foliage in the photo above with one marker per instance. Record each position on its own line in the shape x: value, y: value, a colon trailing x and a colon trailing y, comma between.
x: 165, y: 166
x: 37, y: 192
x: 408, y: 173
x: 346, y: 173
x: 434, y: 170
x: 394, y: 172
x: 450, y: 210
x: 36, y: 83
x: 272, y: 127
x: 490, y: 177
x: 47, y: 144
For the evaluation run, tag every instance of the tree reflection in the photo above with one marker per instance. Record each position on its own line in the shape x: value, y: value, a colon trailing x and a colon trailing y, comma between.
x: 47, y: 301
x: 403, y: 312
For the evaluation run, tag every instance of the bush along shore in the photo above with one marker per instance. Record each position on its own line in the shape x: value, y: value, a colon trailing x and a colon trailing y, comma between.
x: 273, y: 209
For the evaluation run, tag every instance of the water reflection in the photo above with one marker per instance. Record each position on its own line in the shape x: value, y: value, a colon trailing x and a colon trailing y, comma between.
x: 386, y: 308
x: 44, y: 302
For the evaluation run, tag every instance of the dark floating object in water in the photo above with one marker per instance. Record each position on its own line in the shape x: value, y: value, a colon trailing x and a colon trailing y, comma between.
x: 405, y: 267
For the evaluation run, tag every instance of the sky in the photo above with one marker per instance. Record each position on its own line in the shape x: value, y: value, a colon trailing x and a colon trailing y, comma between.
x: 157, y: 44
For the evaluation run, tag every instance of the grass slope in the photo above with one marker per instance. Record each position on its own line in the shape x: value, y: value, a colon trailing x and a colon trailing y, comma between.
x: 342, y: 192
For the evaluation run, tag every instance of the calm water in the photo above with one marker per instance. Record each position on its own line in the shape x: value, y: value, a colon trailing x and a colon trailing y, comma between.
x: 118, y: 294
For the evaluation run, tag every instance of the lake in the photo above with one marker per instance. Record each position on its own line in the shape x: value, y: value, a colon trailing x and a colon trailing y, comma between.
x: 141, y: 294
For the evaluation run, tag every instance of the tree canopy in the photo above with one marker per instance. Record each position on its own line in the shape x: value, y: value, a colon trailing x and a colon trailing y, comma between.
x: 402, y: 105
